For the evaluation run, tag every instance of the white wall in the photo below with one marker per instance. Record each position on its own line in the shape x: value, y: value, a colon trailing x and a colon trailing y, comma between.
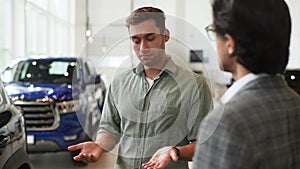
x: 194, y: 14
x: 294, y: 61
x: 18, y: 29
x: 80, y: 24
x: 185, y: 19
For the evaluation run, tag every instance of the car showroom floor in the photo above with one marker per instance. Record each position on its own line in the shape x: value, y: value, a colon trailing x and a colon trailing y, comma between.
x: 63, y: 160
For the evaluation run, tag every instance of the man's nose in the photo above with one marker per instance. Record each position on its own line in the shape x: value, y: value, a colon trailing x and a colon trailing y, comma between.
x: 144, y: 45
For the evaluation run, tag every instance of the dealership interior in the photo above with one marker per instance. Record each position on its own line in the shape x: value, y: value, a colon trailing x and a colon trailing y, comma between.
x: 95, y: 31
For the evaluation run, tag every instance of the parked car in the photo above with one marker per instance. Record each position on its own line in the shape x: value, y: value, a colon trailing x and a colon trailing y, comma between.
x: 13, y: 153
x: 59, y: 98
x: 292, y: 76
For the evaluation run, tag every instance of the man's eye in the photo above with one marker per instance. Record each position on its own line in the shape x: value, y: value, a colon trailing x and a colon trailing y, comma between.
x: 136, y: 41
x: 150, y: 38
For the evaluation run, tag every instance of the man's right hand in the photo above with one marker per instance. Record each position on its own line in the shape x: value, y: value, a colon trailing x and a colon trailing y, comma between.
x: 89, y: 151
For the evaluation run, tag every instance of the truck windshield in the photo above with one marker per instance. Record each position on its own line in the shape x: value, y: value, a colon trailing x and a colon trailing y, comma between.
x: 42, y: 71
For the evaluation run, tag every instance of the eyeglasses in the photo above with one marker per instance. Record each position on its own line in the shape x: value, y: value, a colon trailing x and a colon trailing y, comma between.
x: 211, y: 32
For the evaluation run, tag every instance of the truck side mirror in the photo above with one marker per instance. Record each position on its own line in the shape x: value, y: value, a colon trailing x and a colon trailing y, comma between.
x: 94, y: 79
x: 6, y: 75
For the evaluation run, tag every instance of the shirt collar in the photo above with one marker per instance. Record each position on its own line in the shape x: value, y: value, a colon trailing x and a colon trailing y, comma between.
x: 237, y: 86
x: 170, y: 67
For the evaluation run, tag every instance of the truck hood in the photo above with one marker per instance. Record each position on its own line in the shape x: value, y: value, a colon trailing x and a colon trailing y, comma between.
x: 57, y: 92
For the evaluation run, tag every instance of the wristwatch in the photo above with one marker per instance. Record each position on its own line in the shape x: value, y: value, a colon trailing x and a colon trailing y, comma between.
x: 177, y: 151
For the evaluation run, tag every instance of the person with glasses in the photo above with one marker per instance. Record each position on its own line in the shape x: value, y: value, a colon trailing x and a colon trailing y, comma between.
x: 258, y: 125
x: 153, y: 112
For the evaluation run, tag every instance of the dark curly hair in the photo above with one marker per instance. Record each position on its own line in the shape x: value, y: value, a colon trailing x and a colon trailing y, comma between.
x: 261, y: 30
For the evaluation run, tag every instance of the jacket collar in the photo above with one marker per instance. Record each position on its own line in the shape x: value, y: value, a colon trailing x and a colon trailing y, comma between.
x: 264, y: 81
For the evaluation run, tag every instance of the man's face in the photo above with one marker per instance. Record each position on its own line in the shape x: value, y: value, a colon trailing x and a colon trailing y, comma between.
x: 148, y: 42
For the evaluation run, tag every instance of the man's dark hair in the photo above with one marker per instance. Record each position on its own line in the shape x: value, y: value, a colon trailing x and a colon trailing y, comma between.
x: 261, y: 30
x: 145, y: 13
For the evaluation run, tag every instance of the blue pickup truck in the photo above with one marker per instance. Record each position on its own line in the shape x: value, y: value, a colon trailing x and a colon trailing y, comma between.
x: 61, y: 100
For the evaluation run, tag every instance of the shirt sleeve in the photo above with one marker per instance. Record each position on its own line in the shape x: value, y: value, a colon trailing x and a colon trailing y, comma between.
x: 110, y: 119
x: 199, y: 108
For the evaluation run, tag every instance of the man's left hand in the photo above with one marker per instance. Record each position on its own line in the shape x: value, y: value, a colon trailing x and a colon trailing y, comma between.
x: 161, y: 158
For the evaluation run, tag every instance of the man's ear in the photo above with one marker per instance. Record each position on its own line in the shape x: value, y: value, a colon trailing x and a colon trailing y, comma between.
x: 230, y: 44
x: 167, y: 35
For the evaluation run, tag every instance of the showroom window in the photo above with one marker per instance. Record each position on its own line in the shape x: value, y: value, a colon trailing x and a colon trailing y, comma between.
x: 5, y: 31
x: 50, y: 27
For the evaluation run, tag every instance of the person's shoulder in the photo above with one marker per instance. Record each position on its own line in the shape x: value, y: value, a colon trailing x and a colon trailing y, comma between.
x: 120, y: 76
x: 210, y: 124
x: 224, y: 118
x: 189, y: 74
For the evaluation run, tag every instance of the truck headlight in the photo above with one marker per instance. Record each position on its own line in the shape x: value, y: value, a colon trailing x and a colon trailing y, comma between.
x: 68, y: 106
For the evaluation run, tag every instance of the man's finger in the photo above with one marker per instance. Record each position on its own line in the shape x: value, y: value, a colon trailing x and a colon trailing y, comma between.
x: 75, y: 147
x: 148, y: 164
x: 78, y: 158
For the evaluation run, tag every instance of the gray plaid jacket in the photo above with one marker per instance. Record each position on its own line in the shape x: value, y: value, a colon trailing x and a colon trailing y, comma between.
x: 259, y: 128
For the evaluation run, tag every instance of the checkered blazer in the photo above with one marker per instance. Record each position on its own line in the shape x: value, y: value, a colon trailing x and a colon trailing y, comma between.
x: 259, y: 128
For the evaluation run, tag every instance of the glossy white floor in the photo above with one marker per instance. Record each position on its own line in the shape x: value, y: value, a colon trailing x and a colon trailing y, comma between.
x: 62, y: 160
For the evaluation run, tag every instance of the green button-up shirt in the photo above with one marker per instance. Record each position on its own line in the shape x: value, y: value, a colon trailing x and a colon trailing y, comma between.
x: 143, y: 119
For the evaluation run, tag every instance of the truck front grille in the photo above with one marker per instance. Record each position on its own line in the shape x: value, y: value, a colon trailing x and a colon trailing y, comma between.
x: 38, y: 115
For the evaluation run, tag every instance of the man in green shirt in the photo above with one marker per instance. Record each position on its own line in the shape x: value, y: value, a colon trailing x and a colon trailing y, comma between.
x: 152, y: 112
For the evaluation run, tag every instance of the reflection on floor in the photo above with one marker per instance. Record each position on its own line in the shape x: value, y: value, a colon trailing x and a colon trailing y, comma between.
x: 63, y: 160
